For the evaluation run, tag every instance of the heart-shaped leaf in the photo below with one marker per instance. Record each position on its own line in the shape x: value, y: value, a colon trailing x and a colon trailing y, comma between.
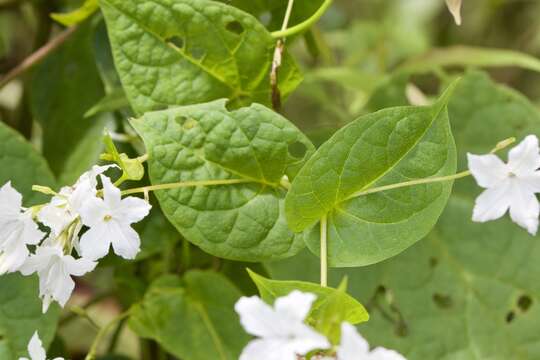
x: 204, y: 142
x: 192, y: 51
x: 386, y: 147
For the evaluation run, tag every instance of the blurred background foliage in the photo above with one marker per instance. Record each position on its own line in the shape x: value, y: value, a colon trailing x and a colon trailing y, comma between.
x: 356, y: 60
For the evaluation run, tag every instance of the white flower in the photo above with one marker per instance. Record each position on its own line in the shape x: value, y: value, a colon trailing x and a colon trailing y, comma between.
x: 109, y: 220
x: 64, y: 208
x: 17, y: 229
x: 509, y: 186
x: 36, y: 350
x: 353, y: 347
x: 281, y: 332
x: 54, y: 269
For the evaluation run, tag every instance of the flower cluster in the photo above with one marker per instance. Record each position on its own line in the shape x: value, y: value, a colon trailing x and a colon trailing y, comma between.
x: 283, y: 335
x: 103, y: 218
x: 511, y: 186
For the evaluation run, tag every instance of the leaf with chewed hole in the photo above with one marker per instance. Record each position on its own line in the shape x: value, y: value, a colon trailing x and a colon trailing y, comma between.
x: 387, y: 147
x: 192, y: 51
x: 207, y: 142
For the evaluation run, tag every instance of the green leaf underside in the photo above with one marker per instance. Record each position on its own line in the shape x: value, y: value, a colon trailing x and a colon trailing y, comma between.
x: 270, y: 290
x: 20, y: 316
x: 207, y: 142
x: 56, y: 100
x: 387, y: 147
x: 193, y: 320
x: 469, y: 290
x: 22, y: 165
x: 185, y: 52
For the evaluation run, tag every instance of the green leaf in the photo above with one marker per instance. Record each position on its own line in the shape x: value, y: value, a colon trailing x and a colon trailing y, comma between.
x: 57, y: 101
x: 327, y: 298
x: 207, y: 142
x: 76, y: 16
x: 469, y: 290
x: 192, y: 51
x: 20, y: 316
x: 470, y: 56
x: 193, y: 319
x: 113, y: 101
x: 386, y: 147
x: 22, y: 165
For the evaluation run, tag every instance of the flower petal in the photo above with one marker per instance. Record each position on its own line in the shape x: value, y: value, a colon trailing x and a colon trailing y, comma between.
x: 78, y: 267
x: 125, y: 241
x: 93, y: 212
x: 13, y: 257
x: 380, y: 353
x: 257, y: 317
x: 525, y: 157
x: 487, y: 170
x: 59, y: 284
x: 132, y: 210
x: 95, y: 243
x: 492, y: 204
x: 296, y: 305
x: 10, y: 200
x: 56, y: 218
x: 524, y: 208
x: 111, y: 194
x: 267, y: 349
x: 35, y: 348
x: 353, y: 345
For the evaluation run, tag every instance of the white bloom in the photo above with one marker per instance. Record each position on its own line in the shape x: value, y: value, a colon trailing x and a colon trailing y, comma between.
x: 509, y: 186
x: 353, y: 347
x: 281, y: 332
x: 17, y: 229
x: 54, y: 269
x: 65, y: 207
x: 109, y: 220
x: 36, y: 350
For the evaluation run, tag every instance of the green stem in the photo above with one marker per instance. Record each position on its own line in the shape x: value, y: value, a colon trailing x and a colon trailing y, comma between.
x: 101, y: 335
x: 409, y: 183
x: 324, y: 252
x: 287, y: 15
x: 305, y: 24
x: 185, y: 184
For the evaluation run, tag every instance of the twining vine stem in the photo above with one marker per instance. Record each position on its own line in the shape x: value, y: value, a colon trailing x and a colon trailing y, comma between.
x: 276, y: 61
x: 305, y: 24
x: 184, y: 184
x: 37, y: 56
x: 324, y: 252
x: 101, y: 334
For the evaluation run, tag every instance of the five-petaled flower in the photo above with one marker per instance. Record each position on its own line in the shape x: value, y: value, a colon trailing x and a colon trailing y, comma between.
x: 281, y: 331
x: 509, y: 186
x: 17, y: 230
x: 36, y: 350
x: 55, y: 269
x: 109, y: 220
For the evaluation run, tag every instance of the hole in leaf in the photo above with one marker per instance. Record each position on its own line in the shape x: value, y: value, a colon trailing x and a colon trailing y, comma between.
x: 176, y: 41
x: 442, y: 301
x: 510, y: 317
x: 524, y: 303
x: 297, y: 149
x: 266, y: 18
x: 197, y: 52
x: 433, y: 262
x: 381, y: 289
x: 235, y: 27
